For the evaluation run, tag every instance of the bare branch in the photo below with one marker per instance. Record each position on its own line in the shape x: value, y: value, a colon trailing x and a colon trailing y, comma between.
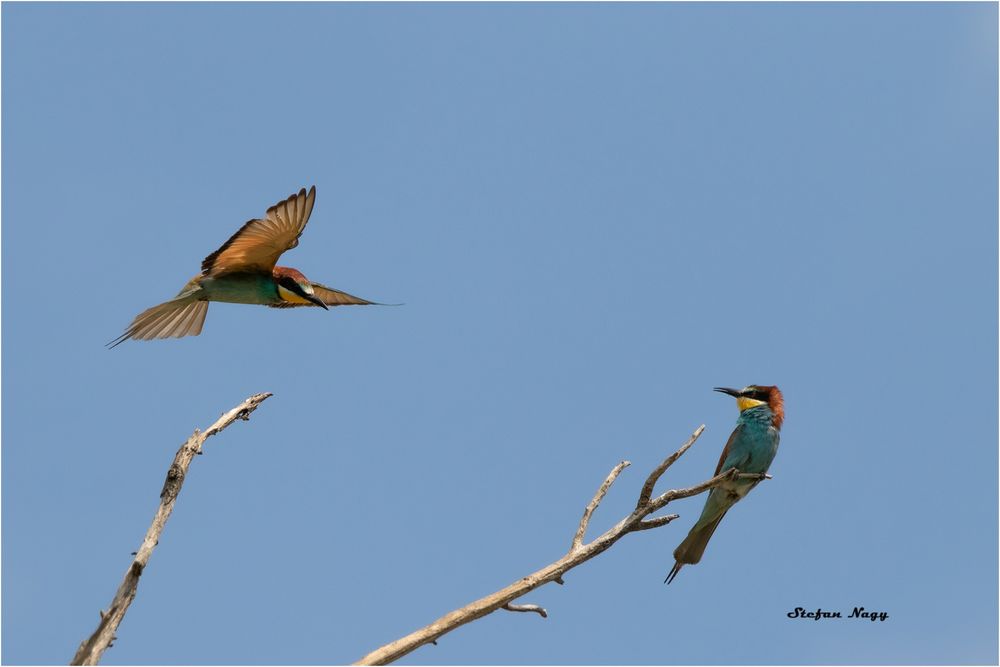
x: 726, y: 475
x: 647, y: 488
x: 92, y: 648
x: 579, y: 553
x: 657, y: 522
x: 581, y: 530
x: 526, y: 607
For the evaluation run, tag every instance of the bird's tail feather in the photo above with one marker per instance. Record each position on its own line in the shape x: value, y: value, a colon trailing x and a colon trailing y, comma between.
x: 183, y: 315
x: 691, y: 549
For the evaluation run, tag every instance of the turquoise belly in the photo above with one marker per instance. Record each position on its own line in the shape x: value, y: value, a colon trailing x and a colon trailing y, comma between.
x: 252, y: 288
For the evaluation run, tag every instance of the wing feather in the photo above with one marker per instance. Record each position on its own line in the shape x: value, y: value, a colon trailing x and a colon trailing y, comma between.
x: 258, y: 244
x: 329, y: 296
x: 725, y: 450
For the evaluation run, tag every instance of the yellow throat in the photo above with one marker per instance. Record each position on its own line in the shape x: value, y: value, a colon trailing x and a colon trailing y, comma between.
x: 744, y: 403
x: 291, y: 296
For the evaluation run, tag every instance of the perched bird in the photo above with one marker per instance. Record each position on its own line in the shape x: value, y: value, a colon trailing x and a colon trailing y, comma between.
x: 243, y: 271
x: 750, y: 448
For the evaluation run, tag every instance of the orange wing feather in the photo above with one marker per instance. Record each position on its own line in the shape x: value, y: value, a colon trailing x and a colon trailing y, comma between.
x: 259, y: 243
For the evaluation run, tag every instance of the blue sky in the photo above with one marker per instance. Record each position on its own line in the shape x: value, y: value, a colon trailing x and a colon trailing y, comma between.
x: 594, y: 214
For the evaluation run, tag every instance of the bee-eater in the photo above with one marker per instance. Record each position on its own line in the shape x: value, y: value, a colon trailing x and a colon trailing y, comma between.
x: 750, y: 448
x: 243, y: 271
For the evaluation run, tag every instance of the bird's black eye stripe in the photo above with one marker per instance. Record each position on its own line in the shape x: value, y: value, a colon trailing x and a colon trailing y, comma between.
x: 289, y: 284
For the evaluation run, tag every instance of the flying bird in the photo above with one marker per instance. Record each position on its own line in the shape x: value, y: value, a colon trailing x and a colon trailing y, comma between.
x: 243, y: 271
x: 750, y: 448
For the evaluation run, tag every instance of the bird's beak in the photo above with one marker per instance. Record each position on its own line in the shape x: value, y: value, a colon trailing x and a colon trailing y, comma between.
x: 727, y: 390
x: 317, y: 301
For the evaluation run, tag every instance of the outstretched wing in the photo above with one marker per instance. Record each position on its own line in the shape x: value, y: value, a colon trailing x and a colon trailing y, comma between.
x: 259, y: 243
x: 329, y: 296
x: 184, y: 315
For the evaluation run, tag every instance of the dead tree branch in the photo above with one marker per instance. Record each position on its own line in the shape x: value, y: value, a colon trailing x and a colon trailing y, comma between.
x: 594, y: 502
x: 578, y: 553
x: 92, y: 648
x: 657, y: 473
x: 510, y: 606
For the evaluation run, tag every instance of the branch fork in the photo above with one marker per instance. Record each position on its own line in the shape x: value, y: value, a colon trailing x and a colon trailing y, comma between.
x: 579, y: 552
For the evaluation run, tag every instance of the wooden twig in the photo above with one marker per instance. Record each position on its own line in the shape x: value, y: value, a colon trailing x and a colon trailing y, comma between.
x: 510, y: 606
x: 578, y: 553
x: 588, y: 512
x: 92, y: 648
x: 656, y: 522
x: 654, y: 477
